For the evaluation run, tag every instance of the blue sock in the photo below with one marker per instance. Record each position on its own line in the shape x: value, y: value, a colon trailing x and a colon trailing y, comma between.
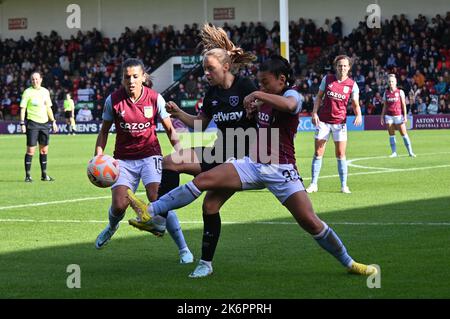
x: 330, y: 241
x: 179, y: 197
x: 393, y: 144
x: 113, y: 219
x: 174, y: 229
x: 315, y: 169
x: 407, y: 144
x: 343, y: 170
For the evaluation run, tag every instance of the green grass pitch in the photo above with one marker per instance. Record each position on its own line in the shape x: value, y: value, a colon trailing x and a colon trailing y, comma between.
x: 397, y: 217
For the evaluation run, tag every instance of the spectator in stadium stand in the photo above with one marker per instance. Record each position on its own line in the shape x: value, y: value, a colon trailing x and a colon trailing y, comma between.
x: 5, y: 106
x: 419, y: 78
x: 441, y: 86
x: 421, y: 106
x: 97, y: 112
x: 191, y: 85
x: 443, y: 105
x: 377, y: 102
x: 14, y: 109
x: 336, y: 27
x: 433, y: 107
x: 84, y: 115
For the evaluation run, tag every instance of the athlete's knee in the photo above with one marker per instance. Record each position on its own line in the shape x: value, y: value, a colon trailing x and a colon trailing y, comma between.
x: 120, y: 204
x: 319, y: 152
x: 152, y: 195
x: 340, y: 153
x: 210, y: 207
x: 203, y: 180
x: 312, y: 224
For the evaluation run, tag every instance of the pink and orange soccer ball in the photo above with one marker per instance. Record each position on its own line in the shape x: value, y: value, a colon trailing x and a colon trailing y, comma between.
x: 103, y: 170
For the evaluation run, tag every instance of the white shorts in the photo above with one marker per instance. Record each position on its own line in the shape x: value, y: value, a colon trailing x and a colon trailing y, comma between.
x: 282, y: 180
x: 397, y: 119
x: 339, y: 131
x: 148, y: 169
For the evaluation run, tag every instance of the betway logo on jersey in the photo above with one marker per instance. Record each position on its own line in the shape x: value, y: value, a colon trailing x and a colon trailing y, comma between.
x: 133, y: 127
x: 336, y: 96
x: 224, y: 117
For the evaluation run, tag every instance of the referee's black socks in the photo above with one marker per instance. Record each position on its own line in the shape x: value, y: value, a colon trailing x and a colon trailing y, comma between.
x: 43, y: 162
x: 28, y: 160
x: 169, y: 180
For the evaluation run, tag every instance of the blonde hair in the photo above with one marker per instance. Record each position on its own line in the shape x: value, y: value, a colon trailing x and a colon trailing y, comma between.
x: 392, y: 76
x: 216, y: 43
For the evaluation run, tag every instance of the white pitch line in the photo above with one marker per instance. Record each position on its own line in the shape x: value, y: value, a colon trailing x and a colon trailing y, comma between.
x: 379, y: 171
x: 350, y: 162
x: 58, y: 202
x: 393, y: 170
x: 16, y: 220
x: 54, y: 202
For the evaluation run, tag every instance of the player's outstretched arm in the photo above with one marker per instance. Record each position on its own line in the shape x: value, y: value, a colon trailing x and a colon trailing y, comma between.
x: 278, y: 102
x: 188, y: 119
x: 171, y: 133
x: 102, y: 137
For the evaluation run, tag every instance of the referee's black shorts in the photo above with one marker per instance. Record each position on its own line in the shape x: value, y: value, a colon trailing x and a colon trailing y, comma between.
x: 68, y: 114
x: 37, y: 132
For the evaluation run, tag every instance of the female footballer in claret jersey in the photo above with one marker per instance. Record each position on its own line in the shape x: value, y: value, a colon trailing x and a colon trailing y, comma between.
x: 276, y: 107
x: 134, y: 109
x: 330, y: 117
x: 394, y: 115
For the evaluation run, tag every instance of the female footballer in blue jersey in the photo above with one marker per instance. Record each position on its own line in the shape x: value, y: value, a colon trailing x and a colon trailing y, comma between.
x: 276, y: 107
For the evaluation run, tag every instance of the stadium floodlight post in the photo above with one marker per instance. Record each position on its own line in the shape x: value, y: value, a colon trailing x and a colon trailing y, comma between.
x: 284, y: 28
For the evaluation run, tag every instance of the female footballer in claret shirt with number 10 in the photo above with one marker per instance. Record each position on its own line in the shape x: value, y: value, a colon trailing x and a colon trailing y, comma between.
x: 134, y: 109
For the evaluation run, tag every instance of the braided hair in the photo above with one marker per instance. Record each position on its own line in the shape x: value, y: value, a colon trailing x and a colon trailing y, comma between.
x: 216, y: 43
